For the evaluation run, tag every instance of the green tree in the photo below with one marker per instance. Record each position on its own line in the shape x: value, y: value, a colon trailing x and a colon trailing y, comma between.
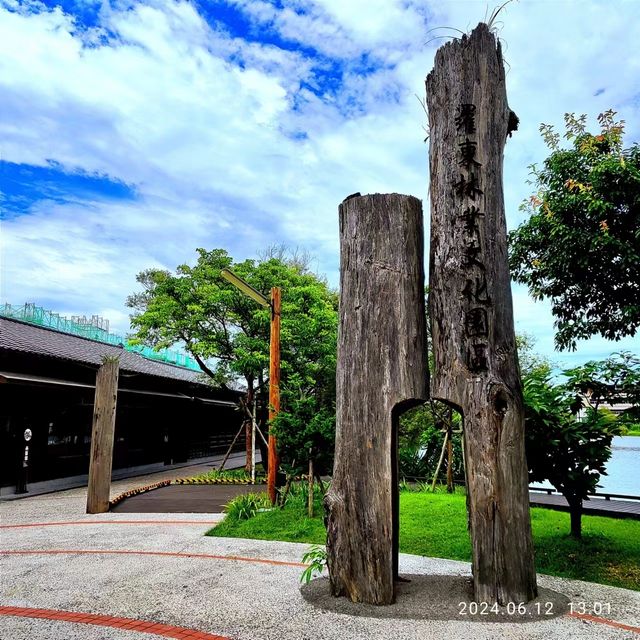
x: 422, y: 433
x: 580, y: 247
x: 228, y: 333
x: 569, y: 431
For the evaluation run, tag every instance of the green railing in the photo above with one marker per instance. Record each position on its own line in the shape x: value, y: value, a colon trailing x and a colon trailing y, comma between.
x: 95, y: 329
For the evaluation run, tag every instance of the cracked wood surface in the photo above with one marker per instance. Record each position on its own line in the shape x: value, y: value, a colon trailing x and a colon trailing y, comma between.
x: 382, y: 370
x: 470, y: 308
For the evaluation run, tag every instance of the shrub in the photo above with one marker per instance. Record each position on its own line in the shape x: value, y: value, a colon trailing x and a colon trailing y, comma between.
x: 246, y: 506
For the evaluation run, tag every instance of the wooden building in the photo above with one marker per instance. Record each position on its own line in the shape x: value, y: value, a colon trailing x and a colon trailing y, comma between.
x: 166, y: 414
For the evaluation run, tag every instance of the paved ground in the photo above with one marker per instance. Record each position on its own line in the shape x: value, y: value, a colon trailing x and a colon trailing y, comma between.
x: 118, y: 576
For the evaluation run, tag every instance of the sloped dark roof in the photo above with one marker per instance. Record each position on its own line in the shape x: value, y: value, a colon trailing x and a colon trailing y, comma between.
x: 28, y: 338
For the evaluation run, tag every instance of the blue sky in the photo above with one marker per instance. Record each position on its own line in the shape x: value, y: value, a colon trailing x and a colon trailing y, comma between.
x: 133, y: 132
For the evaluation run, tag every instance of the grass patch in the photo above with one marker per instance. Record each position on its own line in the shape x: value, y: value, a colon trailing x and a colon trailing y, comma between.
x: 436, y: 525
x: 290, y: 524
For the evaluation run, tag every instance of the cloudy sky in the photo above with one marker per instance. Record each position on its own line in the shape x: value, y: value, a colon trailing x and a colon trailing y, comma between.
x: 133, y: 132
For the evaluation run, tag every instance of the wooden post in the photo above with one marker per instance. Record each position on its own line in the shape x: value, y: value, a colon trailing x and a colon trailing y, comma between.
x: 102, y: 434
x: 274, y: 390
x: 381, y: 372
x: 470, y: 307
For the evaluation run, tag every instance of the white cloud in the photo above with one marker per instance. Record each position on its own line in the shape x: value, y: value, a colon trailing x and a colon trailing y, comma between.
x: 202, y: 123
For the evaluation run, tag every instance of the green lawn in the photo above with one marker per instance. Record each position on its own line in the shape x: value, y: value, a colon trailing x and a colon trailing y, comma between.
x: 436, y: 525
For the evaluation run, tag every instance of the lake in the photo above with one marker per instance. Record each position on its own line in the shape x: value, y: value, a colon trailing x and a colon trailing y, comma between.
x: 623, y: 468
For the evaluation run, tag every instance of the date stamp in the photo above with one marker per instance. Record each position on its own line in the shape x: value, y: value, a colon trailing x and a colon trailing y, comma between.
x: 511, y: 609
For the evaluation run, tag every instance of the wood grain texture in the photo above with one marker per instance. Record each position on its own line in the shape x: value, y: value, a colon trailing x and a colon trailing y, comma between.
x: 470, y: 308
x: 102, y: 434
x: 381, y: 371
x: 274, y: 391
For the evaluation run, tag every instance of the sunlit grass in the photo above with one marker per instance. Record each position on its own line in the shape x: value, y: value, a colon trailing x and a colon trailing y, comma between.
x: 436, y: 525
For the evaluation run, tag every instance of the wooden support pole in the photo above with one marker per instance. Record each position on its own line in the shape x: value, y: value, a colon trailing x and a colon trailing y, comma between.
x: 470, y: 307
x: 102, y: 435
x: 228, y: 453
x: 381, y: 371
x: 449, y: 438
x: 439, y: 465
x: 274, y: 390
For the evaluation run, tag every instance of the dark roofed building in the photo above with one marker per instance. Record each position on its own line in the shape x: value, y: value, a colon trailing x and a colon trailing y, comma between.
x: 166, y: 414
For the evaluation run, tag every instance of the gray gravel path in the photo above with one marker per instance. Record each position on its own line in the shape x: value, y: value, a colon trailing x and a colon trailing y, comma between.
x: 233, y: 598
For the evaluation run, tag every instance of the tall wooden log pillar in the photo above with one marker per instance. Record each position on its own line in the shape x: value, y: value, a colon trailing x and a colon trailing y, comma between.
x: 102, y: 434
x: 382, y: 370
x: 470, y: 307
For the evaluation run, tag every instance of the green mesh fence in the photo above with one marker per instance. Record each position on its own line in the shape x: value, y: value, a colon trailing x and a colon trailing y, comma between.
x: 94, y: 328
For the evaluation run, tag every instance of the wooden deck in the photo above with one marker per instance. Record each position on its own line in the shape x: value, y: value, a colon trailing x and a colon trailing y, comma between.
x: 178, y: 498
x: 592, y: 507
x: 212, y: 498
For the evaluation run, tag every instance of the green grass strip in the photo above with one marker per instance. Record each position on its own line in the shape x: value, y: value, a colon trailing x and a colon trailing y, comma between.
x: 436, y: 525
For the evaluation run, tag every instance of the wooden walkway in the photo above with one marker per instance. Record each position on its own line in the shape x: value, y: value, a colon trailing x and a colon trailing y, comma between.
x: 592, y: 507
x: 180, y: 498
x: 213, y: 498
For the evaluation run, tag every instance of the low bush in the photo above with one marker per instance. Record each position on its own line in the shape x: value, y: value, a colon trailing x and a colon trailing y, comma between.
x: 246, y: 506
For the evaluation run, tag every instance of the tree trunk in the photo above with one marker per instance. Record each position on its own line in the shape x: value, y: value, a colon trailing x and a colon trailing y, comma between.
x: 310, y: 487
x: 470, y: 307
x: 381, y: 372
x: 102, y: 434
x: 575, y: 511
x: 248, y: 426
x: 248, y: 442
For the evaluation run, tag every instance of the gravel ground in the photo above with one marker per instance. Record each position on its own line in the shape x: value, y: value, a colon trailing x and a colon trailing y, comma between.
x: 243, y: 600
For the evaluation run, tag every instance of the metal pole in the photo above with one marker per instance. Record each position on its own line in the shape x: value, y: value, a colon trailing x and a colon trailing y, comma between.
x: 274, y: 390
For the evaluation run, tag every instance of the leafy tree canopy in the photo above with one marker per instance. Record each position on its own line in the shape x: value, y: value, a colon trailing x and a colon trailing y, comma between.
x: 228, y: 333
x: 580, y: 246
x: 569, y: 431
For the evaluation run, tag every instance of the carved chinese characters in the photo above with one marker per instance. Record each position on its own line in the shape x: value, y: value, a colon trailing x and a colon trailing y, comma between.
x: 469, y: 194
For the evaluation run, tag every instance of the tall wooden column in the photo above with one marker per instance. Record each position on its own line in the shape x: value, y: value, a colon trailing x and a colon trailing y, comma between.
x: 470, y: 307
x: 102, y: 433
x: 274, y: 390
x: 381, y: 371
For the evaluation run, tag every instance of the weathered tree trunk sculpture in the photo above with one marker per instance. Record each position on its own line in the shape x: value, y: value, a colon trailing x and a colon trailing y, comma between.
x: 476, y: 368
x: 382, y: 371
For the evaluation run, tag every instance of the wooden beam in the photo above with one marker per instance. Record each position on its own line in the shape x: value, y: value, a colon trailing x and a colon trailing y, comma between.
x: 102, y: 435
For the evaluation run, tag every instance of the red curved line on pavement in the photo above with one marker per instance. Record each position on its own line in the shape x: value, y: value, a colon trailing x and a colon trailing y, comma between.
x: 599, y: 620
x: 180, y: 633
x: 170, y: 554
x: 129, y: 624
x: 81, y: 522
